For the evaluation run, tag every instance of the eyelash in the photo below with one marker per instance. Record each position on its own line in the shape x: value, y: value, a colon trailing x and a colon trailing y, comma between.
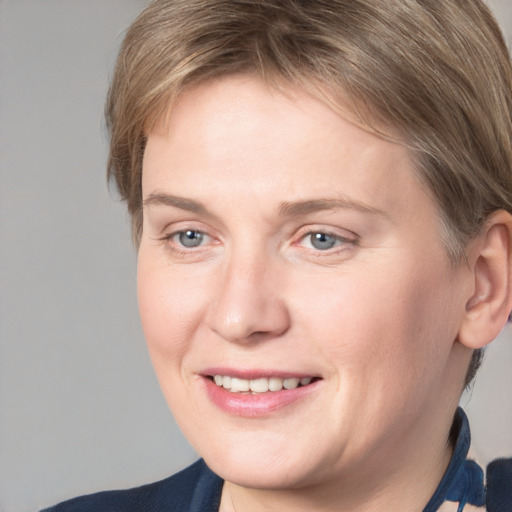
x: 175, y: 247
x: 341, y: 242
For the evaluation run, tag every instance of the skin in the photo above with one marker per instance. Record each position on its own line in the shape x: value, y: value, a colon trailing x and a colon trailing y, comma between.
x: 376, y: 317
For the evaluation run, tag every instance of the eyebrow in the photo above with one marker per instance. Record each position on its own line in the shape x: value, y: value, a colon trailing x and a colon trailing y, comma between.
x: 286, y: 209
x: 177, y: 202
x: 290, y: 209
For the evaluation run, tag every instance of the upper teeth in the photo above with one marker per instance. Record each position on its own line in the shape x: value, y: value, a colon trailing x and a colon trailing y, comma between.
x: 262, y: 385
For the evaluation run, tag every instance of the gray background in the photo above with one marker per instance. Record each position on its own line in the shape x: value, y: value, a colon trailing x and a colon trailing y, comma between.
x: 80, y: 409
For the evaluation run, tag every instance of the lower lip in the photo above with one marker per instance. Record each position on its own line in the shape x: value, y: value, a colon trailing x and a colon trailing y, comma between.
x: 258, y: 404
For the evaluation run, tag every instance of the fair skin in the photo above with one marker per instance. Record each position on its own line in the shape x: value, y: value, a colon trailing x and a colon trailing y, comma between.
x: 280, y: 240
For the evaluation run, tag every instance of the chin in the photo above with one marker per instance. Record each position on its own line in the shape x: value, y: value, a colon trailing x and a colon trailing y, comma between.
x: 264, y: 464
x: 270, y: 474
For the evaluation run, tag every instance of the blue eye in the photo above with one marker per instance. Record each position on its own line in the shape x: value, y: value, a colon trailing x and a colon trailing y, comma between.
x: 190, y: 238
x: 323, y: 241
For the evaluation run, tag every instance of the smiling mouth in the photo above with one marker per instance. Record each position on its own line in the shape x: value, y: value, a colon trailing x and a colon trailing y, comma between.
x: 260, y: 385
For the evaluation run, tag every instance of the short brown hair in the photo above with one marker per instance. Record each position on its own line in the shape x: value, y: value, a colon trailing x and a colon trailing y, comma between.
x: 437, y: 72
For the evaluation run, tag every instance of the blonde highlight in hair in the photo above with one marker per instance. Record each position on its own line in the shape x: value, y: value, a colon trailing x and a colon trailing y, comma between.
x: 437, y: 73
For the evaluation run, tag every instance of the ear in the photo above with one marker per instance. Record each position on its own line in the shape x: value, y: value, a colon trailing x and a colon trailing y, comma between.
x: 488, y: 308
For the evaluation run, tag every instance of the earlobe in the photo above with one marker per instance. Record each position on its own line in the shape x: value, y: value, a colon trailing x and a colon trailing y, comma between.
x: 488, y: 308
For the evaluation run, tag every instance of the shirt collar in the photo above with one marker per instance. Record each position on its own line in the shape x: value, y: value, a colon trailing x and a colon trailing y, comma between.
x: 463, y: 481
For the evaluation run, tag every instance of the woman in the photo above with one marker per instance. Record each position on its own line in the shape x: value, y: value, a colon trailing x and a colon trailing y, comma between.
x: 321, y: 200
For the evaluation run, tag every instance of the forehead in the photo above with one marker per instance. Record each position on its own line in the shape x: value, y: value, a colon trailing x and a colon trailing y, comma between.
x: 310, y: 97
x: 236, y: 130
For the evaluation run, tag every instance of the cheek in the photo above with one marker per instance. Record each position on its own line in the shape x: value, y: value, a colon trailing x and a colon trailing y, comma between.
x: 169, y: 310
x: 392, y: 326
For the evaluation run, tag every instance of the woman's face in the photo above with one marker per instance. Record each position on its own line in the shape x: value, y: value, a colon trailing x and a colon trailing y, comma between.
x: 285, y: 247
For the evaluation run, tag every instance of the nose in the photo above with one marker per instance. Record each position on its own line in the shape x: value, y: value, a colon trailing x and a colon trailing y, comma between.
x: 248, y: 306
